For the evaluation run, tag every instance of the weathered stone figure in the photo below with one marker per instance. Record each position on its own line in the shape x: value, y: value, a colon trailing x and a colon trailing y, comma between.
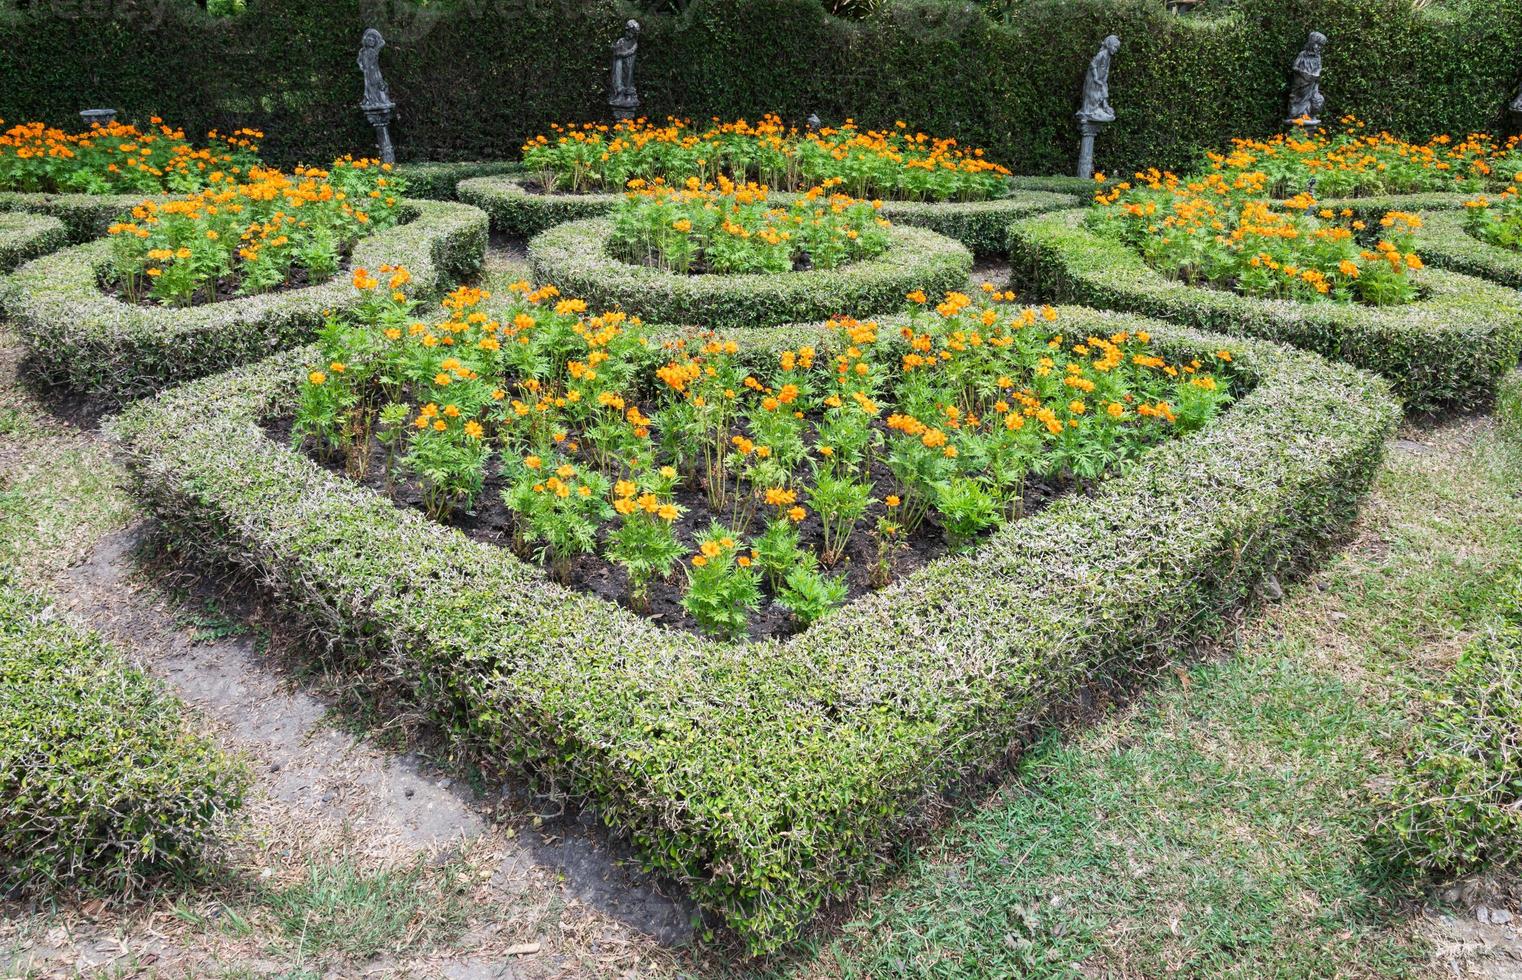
x: 377, y: 95
x: 1096, y: 84
x: 1516, y: 104
x: 1305, y: 98
x: 624, y: 95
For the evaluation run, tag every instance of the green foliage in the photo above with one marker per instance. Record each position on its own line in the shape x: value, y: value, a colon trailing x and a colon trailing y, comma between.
x: 797, y: 772
x: 1446, y: 242
x: 91, y: 341
x: 1457, y: 806
x: 1449, y: 349
x: 576, y: 258
x: 24, y: 237
x: 1010, y: 85
x: 104, y: 782
x: 808, y: 593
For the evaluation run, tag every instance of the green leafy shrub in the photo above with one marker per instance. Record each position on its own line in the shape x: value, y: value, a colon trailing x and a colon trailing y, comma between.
x: 1446, y: 241
x: 24, y: 237
x: 104, y: 781
x: 774, y: 777
x: 1457, y: 805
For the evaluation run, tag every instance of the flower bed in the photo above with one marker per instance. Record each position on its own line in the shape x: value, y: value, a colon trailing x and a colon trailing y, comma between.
x: 778, y: 489
x: 519, y: 210
x: 82, y: 336
x: 773, y: 777
x: 577, y: 258
x: 103, y: 780
x: 24, y: 237
x: 118, y: 158
x: 1446, y: 350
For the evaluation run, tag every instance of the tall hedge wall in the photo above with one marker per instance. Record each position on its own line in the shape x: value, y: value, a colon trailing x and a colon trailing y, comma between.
x: 474, y: 77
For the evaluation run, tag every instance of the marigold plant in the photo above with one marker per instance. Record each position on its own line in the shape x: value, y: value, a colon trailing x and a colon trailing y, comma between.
x: 120, y: 159
x: 1356, y: 163
x: 252, y: 236
x: 1497, y: 220
x: 727, y: 227
x: 765, y: 478
x: 892, y: 163
x: 1220, y: 231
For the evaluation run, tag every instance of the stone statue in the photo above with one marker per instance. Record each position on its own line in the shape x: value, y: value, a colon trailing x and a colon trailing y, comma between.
x: 1096, y: 84
x: 1516, y: 104
x: 377, y: 95
x: 1305, y: 98
x: 624, y: 96
x: 813, y: 123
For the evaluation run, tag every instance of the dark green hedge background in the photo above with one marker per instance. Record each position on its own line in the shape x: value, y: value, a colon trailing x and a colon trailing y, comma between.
x: 473, y: 78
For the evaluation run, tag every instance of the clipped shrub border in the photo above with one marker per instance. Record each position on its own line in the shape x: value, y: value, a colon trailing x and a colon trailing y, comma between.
x: 1371, y: 209
x: 435, y: 181
x: 773, y: 777
x: 85, y: 216
x: 104, y: 781
x: 1444, y: 241
x: 1449, y: 350
x: 82, y: 337
x: 575, y: 258
x: 980, y: 225
x: 25, y: 236
x: 1509, y: 406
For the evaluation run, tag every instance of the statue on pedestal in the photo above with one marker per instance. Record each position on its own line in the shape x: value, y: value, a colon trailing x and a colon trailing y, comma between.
x: 1096, y: 84
x: 377, y: 95
x: 1305, y: 98
x: 624, y: 97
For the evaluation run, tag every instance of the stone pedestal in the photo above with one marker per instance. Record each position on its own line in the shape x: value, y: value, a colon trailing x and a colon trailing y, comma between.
x: 624, y: 108
x: 98, y: 117
x: 1087, y: 130
x: 380, y: 117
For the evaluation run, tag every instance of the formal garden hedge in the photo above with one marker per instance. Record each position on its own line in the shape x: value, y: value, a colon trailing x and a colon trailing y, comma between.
x: 773, y: 777
x: 85, y: 216
x: 576, y: 258
x: 1447, y: 243
x: 26, y: 236
x: 1448, y: 350
x: 83, y: 337
x: 437, y: 181
x: 1180, y: 83
x: 980, y: 225
x: 104, y: 781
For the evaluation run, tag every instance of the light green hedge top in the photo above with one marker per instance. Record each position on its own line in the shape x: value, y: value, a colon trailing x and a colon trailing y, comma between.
x: 980, y: 225
x: 1444, y: 241
x: 25, y: 236
x: 576, y: 258
x: 104, y: 781
x: 773, y: 777
x: 82, y: 337
x: 1445, y: 351
x: 86, y: 216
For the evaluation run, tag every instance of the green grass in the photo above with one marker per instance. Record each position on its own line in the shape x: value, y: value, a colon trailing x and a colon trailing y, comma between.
x: 339, y: 908
x: 1222, y: 827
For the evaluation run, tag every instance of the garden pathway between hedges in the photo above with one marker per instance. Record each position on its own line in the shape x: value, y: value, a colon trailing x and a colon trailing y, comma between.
x: 529, y: 895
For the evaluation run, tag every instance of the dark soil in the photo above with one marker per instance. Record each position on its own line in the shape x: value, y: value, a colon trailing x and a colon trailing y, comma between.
x: 492, y: 523
x: 226, y: 288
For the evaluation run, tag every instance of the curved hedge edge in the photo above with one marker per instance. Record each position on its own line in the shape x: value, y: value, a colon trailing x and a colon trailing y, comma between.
x: 436, y: 181
x: 1055, y: 184
x: 575, y: 258
x: 980, y: 225
x: 81, y: 337
x: 25, y: 236
x: 1446, y: 351
x: 86, y: 216
x: 140, y: 792
x: 520, y: 213
x: 772, y: 778
x: 1444, y: 241
x: 1371, y: 209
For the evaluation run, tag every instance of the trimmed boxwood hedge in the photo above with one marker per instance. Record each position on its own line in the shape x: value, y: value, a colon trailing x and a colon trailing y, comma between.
x: 85, y: 216
x: 1371, y: 209
x: 104, y: 781
x: 81, y: 336
x: 1443, y: 241
x: 1509, y: 406
x: 24, y: 237
x: 575, y: 258
x: 437, y: 181
x: 980, y: 225
x: 1445, y: 351
x: 773, y: 777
